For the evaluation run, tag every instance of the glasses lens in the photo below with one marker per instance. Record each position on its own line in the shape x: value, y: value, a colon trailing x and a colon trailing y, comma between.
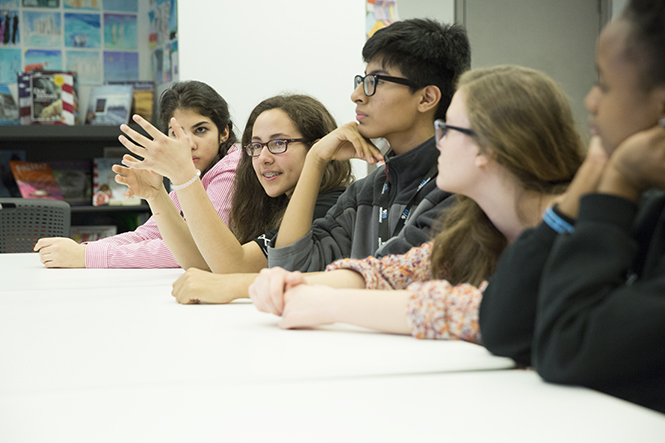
x: 277, y: 146
x: 358, y: 79
x: 253, y: 149
x: 440, y: 129
x: 369, y: 85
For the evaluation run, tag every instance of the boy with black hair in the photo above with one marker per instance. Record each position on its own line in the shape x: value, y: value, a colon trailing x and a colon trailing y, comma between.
x: 410, y: 78
x: 412, y: 68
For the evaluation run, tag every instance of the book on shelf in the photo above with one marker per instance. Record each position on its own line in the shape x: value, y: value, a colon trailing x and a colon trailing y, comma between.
x: 88, y: 233
x: 105, y: 190
x: 8, y: 108
x: 47, y: 98
x: 143, y: 97
x: 74, y: 178
x: 8, y: 186
x: 109, y: 105
x: 35, y: 180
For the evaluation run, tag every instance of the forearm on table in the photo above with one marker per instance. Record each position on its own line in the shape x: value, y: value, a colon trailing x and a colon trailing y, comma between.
x: 175, y: 232
x: 380, y: 310
x: 340, y: 279
x: 297, y: 220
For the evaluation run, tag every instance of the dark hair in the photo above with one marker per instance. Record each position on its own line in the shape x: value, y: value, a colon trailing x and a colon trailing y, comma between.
x: 203, y: 99
x: 522, y: 119
x: 426, y: 52
x: 254, y: 212
x: 647, y: 21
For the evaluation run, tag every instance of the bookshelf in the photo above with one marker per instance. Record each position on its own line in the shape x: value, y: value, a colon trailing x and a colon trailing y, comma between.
x: 45, y: 143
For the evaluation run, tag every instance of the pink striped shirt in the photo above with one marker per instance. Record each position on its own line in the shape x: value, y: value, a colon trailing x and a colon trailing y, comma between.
x: 144, y: 247
x: 435, y: 308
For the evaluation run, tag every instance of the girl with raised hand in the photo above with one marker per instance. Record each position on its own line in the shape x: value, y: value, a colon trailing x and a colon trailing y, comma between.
x: 208, y: 140
x: 508, y: 149
x: 278, y: 134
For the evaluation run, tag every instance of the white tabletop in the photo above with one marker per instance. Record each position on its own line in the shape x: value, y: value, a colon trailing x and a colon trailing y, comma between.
x: 108, y: 355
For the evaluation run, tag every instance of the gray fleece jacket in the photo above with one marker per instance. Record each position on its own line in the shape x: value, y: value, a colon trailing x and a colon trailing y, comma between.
x: 351, y: 227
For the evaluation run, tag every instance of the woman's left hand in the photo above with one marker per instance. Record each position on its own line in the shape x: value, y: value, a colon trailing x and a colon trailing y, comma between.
x: 307, y: 306
x: 142, y: 183
x: 170, y: 157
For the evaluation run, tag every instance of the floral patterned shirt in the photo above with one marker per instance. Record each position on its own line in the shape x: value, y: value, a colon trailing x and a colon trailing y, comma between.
x: 435, y: 309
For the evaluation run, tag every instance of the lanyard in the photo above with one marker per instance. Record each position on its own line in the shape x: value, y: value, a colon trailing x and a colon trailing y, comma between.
x: 384, y: 207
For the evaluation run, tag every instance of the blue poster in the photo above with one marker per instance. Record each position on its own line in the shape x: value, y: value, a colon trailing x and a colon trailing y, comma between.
x: 10, y: 65
x: 87, y: 65
x: 6, y: 4
x: 82, y: 31
x: 42, y: 29
x: 120, y: 31
x: 121, y: 66
x: 43, y: 59
x: 121, y: 5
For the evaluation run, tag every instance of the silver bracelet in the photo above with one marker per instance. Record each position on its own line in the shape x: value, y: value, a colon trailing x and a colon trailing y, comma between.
x: 189, y: 182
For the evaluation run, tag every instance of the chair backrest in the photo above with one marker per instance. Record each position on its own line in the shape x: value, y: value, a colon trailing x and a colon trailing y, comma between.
x: 23, y: 221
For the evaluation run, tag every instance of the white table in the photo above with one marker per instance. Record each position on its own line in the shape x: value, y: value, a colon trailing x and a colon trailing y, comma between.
x: 113, y: 357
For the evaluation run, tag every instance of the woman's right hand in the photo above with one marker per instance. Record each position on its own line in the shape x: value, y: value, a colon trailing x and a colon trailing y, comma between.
x: 142, y: 183
x: 170, y: 157
x: 267, y: 291
x: 345, y: 143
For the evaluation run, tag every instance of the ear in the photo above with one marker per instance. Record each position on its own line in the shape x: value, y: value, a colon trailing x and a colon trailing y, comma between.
x: 430, y: 96
x: 483, y: 158
x: 224, y: 135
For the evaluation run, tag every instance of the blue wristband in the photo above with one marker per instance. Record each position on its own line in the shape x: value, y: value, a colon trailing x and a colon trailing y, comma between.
x: 556, y: 222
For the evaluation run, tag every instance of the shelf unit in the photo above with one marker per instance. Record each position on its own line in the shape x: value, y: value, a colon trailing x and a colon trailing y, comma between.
x: 45, y: 143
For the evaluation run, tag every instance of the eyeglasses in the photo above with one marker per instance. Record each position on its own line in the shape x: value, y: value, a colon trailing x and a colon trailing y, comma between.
x: 441, y: 128
x: 277, y: 146
x: 371, y: 80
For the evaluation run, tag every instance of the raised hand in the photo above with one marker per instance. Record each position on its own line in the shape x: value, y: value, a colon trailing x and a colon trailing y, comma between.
x: 60, y: 252
x: 170, y: 157
x: 142, y: 183
x: 267, y: 291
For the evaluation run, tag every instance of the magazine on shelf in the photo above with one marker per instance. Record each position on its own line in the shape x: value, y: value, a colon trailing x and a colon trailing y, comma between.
x: 109, y: 105
x: 88, y: 233
x: 35, y: 180
x: 47, y: 98
x: 105, y: 190
x: 8, y: 186
x: 74, y: 178
x: 8, y: 108
x: 143, y: 94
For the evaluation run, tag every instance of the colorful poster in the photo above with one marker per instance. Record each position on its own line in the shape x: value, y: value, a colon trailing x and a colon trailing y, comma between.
x: 174, y: 61
x: 7, y: 4
x: 42, y: 59
x: 42, y: 28
x: 87, y: 65
x: 10, y: 65
x: 156, y: 66
x: 121, y: 66
x: 82, y: 31
x: 41, y: 3
x: 9, y: 28
x: 91, y: 5
x: 120, y: 31
x: 121, y: 5
x: 379, y: 14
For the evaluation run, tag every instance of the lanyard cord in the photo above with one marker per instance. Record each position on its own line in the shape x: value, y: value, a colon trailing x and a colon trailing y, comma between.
x: 384, y: 207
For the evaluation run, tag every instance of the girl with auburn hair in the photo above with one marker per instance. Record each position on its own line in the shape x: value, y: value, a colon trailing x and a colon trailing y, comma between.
x: 279, y: 132
x: 508, y: 149
x: 208, y: 131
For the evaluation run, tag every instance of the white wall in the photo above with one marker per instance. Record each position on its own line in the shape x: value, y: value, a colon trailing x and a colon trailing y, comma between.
x: 249, y: 51
x: 441, y: 10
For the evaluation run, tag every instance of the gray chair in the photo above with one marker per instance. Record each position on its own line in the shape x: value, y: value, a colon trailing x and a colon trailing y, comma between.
x: 23, y: 221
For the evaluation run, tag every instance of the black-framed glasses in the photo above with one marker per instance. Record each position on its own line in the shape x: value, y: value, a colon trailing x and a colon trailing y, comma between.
x: 441, y: 128
x: 370, y: 81
x: 277, y: 146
